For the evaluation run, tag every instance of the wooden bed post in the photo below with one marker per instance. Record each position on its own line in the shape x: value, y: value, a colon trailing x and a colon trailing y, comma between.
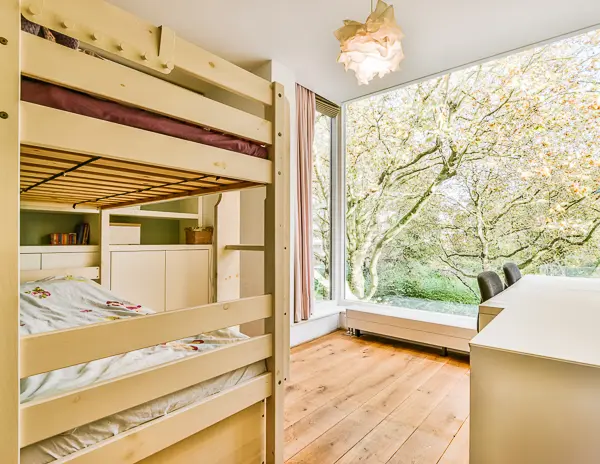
x: 105, y: 249
x: 277, y: 273
x: 226, y: 263
x: 10, y: 81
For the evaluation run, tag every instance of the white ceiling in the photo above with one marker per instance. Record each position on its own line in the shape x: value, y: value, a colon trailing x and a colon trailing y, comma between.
x: 440, y: 34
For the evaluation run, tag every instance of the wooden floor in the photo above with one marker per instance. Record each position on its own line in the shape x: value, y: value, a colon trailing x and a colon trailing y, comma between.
x: 373, y: 400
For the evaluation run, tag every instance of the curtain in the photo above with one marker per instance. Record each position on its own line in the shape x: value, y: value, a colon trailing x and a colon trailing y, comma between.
x: 303, y: 258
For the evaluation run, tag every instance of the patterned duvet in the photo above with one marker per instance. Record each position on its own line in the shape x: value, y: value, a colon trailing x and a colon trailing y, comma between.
x: 63, y: 302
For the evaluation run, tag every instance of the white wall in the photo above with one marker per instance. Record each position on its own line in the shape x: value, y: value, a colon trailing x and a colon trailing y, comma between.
x: 252, y: 232
x: 252, y: 203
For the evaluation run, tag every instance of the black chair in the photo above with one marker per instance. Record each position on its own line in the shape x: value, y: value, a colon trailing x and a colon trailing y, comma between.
x: 512, y: 274
x: 490, y: 284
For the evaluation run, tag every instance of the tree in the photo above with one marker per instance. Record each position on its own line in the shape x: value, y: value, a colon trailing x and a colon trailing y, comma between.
x: 321, y: 187
x: 502, y: 217
x: 504, y: 154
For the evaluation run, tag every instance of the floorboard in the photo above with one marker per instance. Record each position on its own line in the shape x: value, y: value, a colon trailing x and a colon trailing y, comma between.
x: 373, y: 400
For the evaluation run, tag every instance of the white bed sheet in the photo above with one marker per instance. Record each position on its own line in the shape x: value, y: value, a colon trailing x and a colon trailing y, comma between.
x: 63, y: 302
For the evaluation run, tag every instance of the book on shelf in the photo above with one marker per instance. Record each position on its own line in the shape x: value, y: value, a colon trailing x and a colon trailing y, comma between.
x: 79, y: 232
x: 83, y: 233
x: 81, y: 236
x: 86, y: 234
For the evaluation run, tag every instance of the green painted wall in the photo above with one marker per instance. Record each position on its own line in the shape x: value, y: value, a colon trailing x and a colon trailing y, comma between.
x: 37, y: 226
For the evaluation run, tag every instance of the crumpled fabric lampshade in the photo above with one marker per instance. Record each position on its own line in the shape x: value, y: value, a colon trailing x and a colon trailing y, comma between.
x: 373, y: 48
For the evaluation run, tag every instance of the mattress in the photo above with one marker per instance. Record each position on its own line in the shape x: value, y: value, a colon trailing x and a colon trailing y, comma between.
x: 64, y: 302
x: 61, y: 98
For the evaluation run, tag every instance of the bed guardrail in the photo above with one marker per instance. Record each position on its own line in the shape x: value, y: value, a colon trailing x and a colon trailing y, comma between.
x: 49, y: 351
x: 50, y: 416
x: 143, y: 441
x: 157, y: 48
x: 131, y: 87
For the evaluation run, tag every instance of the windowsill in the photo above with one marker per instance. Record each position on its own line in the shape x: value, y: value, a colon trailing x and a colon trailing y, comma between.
x: 451, y: 320
x: 326, y: 308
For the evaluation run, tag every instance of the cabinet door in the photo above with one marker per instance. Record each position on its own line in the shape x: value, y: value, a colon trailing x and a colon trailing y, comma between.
x: 139, y: 276
x: 31, y: 261
x: 188, y: 273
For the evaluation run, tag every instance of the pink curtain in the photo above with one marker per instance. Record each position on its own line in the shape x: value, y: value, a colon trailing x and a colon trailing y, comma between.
x: 303, y: 259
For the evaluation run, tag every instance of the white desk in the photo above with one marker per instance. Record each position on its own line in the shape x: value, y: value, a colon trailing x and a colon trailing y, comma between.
x: 535, y: 377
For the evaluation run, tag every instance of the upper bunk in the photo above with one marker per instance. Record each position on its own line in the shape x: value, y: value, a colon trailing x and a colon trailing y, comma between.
x: 118, y: 124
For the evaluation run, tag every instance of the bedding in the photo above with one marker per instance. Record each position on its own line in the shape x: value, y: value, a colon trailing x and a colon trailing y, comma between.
x: 63, y: 302
x: 61, y: 98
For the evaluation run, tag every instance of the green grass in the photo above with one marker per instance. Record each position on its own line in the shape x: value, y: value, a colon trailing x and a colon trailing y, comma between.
x: 421, y: 281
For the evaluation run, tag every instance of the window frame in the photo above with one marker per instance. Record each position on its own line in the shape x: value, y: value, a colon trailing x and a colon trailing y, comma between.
x: 338, y: 207
x: 339, y: 194
x: 442, y: 322
x: 333, y: 156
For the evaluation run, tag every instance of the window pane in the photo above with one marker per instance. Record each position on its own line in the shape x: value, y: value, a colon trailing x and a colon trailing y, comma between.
x: 321, y: 189
x: 464, y: 172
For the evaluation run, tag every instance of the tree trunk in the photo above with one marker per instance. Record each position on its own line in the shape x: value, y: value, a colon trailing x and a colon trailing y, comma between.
x: 485, y: 249
x: 356, y: 278
x: 394, y: 231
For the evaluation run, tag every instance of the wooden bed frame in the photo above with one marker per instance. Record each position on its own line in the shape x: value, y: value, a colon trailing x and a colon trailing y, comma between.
x: 243, y: 424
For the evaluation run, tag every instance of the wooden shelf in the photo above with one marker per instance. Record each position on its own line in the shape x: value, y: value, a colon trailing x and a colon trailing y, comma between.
x: 245, y: 247
x: 55, y: 208
x: 158, y: 247
x: 59, y: 248
x: 92, y: 273
x: 154, y: 214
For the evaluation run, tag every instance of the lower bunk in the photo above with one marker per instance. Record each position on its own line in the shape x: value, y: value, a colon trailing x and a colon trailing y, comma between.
x: 229, y: 404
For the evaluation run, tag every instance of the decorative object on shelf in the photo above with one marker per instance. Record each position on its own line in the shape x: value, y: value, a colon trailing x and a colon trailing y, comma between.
x: 373, y: 48
x: 125, y: 234
x: 198, y: 235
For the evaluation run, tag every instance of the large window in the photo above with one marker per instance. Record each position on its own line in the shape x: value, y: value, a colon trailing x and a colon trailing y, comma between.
x: 321, y: 203
x: 464, y: 172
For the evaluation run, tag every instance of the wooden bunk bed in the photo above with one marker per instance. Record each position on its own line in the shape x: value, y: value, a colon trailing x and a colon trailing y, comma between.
x: 56, y: 154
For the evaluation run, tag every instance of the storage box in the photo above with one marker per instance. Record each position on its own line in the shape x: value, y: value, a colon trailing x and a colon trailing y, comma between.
x: 198, y: 237
x: 125, y: 234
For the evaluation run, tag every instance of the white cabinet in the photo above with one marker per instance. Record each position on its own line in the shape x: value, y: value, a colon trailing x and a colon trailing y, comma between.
x: 166, y: 279
x: 69, y: 260
x: 31, y: 262
x: 187, y: 278
x: 139, y: 276
x: 34, y: 258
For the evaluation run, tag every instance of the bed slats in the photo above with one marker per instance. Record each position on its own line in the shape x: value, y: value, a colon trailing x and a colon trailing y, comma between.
x: 145, y: 440
x: 63, y: 348
x: 48, y: 417
x: 94, y: 181
x: 58, y: 148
